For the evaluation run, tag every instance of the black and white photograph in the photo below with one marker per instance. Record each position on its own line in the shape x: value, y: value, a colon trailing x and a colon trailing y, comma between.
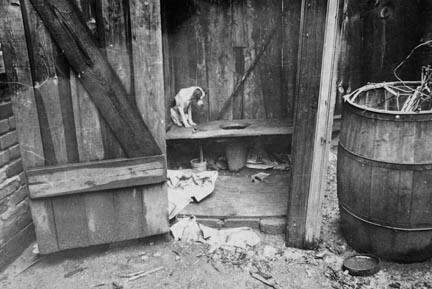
x: 216, y: 144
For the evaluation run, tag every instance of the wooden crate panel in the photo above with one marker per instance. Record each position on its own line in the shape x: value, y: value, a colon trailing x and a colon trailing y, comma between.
x: 84, y: 190
x: 95, y: 176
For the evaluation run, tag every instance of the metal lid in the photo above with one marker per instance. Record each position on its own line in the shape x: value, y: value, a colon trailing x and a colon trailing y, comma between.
x: 362, y: 265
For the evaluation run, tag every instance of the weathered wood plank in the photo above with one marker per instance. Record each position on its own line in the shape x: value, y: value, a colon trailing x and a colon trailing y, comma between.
x: 323, y: 126
x: 114, y: 36
x: 100, y: 217
x: 239, y: 43
x: 18, y: 72
x: 87, y: 124
x: 148, y: 69
x: 65, y: 97
x: 95, y: 176
x: 253, y: 99
x: 113, y: 33
x: 46, y: 86
x: 97, y: 76
x: 146, y: 26
x: 257, y: 127
x: 290, y: 44
x: 168, y: 60
x: 45, y: 226
x: 220, y: 57
x: 199, y: 58
x: 269, y: 15
x: 312, y: 30
x: 238, y: 197
x: 129, y: 214
x: 213, y: 129
x: 71, y: 222
x: 155, y: 219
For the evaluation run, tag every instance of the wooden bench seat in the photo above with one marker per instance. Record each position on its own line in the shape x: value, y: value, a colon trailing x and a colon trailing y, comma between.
x: 256, y: 127
x: 213, y: 129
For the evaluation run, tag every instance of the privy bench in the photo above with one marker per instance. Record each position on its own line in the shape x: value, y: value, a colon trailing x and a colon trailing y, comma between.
x: 256, y: 127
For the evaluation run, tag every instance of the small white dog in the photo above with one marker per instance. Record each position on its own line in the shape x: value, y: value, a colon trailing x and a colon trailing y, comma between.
x: 181, y: 111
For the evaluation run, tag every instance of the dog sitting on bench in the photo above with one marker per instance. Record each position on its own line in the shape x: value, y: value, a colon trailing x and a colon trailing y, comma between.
x: 181, y: 110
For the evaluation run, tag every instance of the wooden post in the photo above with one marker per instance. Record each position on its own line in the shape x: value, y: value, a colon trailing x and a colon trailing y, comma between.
x: 313, y: 120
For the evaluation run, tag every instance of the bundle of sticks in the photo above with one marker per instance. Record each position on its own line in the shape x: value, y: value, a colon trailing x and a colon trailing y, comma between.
x: 421, y: 98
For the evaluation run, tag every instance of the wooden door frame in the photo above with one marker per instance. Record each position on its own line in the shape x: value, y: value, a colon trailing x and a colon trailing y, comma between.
x: 313, y: 120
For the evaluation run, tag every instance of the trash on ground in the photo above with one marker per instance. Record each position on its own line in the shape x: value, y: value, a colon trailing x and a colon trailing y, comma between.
x: 75, y: 271
x: 269, y: 252
x: 140, y: 274
x: 361, y: 265
x: 217, y: 164
x: 259, y: 159
x: 34, y: 262
x: 269, y: 281
x: 242, y: 237
x: 282, y: 167
x: 259, y: 166
x: 187, y: 229
x: 259, y: 177
x: 116, y: 285
x: 36, y: 249
x: 185, y: 186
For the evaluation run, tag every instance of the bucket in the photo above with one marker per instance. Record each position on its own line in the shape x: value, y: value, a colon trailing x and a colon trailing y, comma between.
x: 198, y: 166
x: 236, y: 154
x: 384, y: 175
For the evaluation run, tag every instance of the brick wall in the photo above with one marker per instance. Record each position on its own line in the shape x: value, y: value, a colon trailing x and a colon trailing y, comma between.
x: 16, y: 228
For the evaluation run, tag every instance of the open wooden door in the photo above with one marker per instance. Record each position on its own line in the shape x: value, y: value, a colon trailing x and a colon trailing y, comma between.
x: 89, y: 104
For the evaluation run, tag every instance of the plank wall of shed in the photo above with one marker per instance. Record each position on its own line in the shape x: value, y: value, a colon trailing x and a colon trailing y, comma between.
x: 211, y: 43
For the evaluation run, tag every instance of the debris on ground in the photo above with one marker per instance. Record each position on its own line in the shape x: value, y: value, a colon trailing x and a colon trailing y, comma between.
x: 196, y: 264
x: 140, y: 274
x: 242, y: 237
x: 35, y: 250
x: 187, y: 230
x: 186, y: 186
x: 116, y: 285
x: 218, y: 163
x: 259, y: 177
x: 269, y: 252
x: 260, y: 166
x: 268, y: 280
x: 259, y: 159
x: 74, y: 271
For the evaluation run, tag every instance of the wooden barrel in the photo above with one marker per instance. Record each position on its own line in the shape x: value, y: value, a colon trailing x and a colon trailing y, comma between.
x: 384, y: 175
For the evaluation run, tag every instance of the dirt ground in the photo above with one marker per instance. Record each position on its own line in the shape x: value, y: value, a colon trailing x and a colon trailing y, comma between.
x: 191, y: 265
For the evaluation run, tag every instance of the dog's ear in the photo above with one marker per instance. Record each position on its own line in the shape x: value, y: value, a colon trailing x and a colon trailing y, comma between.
x: 197, y: 94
